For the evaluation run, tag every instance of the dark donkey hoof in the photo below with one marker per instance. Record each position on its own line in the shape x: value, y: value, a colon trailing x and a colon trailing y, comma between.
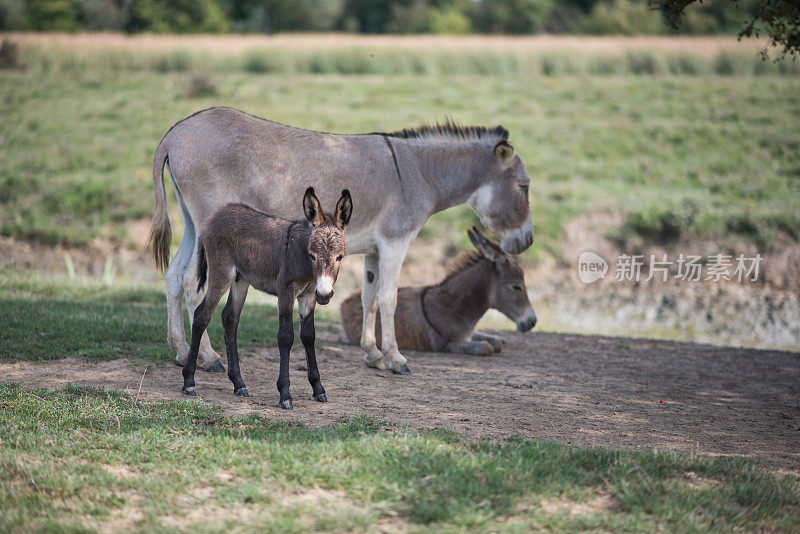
x: 321, y: 398
x: 287, y: 404
x: 189, y: 391
x: 242, y: 392
x: 215, y: 367
x: 402, y: 370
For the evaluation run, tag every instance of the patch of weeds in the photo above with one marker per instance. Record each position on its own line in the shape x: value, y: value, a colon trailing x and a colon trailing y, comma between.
x: 9, y: 55
x: 198, y: 86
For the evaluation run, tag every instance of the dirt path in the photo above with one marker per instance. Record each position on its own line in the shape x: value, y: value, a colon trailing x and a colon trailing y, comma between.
x: 583, y: 390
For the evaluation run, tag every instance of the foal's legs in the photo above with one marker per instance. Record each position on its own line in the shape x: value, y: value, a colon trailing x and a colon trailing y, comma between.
x: 209, y: 359
x: 285, y: 340
x: 307, y: 335
x: 495, y: 341
x: 230, y: 321
x: 202, y: 316
x: 391, y: 260
x: 478, y: 348
x: 369, y: 304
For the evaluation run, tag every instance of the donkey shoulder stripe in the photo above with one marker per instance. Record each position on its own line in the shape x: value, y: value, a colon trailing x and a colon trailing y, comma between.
x: 394, y: 158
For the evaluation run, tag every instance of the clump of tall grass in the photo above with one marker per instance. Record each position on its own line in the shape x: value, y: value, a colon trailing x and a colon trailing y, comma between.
x: 9, y: 57
x: 198, y: 86
x: 550, y: 56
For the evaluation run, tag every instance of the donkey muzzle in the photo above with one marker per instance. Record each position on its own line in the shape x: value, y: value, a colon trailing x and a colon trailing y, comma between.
x: 519, y: 240
x: 527, y: 321
x: 324, y: 290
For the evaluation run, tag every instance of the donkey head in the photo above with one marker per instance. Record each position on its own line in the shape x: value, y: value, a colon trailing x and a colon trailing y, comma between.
x: 326, y: 244
x: 507, y: 293
x: 502, y: 203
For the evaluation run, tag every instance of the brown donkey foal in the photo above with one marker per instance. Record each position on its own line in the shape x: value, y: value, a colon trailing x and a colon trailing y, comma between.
x: 240, y: 247
x: 442, y: 317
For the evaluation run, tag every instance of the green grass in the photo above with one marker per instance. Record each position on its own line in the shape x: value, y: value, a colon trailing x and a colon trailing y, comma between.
x: 78, y: 145
x: 83, y: 458
x: 46, y: 317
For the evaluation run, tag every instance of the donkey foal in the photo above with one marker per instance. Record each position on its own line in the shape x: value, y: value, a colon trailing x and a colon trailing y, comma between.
x: 240, y: 247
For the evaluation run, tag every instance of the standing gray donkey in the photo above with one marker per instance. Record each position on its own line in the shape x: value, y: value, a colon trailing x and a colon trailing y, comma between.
x: 398, y: 180
x: 299, y: 260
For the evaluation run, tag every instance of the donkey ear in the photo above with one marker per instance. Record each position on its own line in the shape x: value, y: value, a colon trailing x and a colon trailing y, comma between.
x: 312, y: 208
x: 344, y: 208
x: 503, y: 151
x: 482, y: 244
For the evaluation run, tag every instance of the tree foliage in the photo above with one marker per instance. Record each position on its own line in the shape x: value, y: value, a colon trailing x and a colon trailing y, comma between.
x: 778, y: 19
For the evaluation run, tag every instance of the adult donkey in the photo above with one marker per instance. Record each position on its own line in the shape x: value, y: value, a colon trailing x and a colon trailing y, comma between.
x: 397, y: 180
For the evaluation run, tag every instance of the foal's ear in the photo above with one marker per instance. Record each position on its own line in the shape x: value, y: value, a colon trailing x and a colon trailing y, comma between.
x: 344, y: 208
x: 483, y: 245
x: 312, y: 208
x: 503, y: 151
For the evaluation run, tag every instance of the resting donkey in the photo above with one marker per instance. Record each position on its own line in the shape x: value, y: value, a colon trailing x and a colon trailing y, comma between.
x: 442, y: 317
x: 398, y: 180
x: 240, y: 247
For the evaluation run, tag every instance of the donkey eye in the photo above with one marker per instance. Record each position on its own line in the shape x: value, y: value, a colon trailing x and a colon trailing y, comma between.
x: 312, y: 257
x: 516, y: 287
x: 524, y: 189
x: 339, y: 257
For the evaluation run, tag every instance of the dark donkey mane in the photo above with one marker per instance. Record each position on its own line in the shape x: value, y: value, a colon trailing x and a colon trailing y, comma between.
x: 450, y: 129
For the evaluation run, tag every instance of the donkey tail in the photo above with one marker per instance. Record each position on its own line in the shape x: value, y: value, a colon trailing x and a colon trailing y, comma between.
x: 202, y: 267
x: 160, y: 230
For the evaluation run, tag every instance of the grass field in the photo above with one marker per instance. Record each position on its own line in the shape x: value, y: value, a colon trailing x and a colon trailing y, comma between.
x: 81, y: 459
x: 680, y: 156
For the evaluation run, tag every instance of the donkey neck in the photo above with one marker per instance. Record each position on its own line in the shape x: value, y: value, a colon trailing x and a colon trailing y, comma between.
x: 465, y: 293
x: 296, y: 250
x: 454, y: 170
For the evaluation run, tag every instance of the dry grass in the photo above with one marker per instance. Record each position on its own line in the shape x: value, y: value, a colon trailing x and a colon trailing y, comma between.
x: 237, y: 44
x: 426, y: 54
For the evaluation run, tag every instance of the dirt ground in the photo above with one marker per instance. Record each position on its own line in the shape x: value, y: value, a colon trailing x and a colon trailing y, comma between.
x: 582, y: 390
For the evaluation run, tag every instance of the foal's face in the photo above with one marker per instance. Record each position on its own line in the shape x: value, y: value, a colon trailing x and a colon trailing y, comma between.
x: 326, y: 244
x: 326, y: 250
x: 509, y: 295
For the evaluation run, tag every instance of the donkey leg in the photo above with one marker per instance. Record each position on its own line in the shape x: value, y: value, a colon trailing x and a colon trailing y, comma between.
x: 209, y: 359
x: 369, y: 303
x: 495, y: 341
x: 307, y: 336
x: 217, y: 285
x: 230, y: 321
x: 285, y: 340
x: 174, y: 282
x: 391, y: 260
x: 478, y: 348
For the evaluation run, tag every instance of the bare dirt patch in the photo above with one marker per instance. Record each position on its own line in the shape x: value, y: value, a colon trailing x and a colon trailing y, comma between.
x: 582, y: 390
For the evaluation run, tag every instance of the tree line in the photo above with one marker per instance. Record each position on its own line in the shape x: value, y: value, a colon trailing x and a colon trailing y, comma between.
x: 619, y: 17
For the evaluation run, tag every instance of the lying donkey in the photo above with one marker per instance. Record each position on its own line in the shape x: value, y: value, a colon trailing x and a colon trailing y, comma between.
x: 442, y: 317
x: 240, y: 247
